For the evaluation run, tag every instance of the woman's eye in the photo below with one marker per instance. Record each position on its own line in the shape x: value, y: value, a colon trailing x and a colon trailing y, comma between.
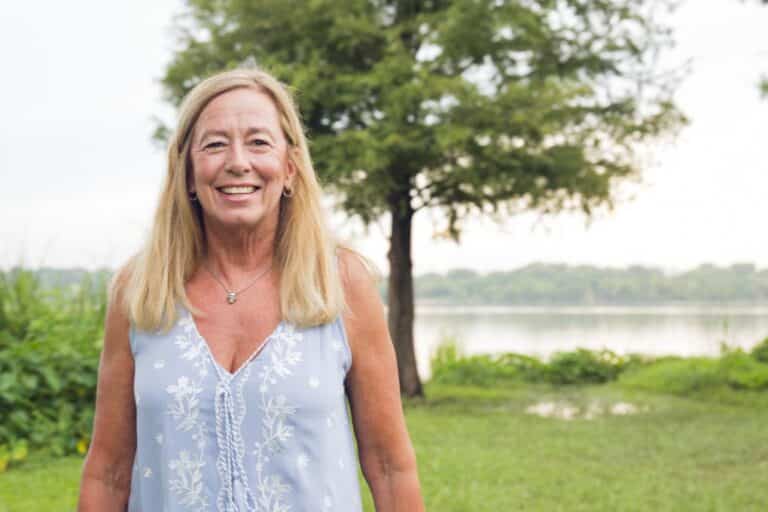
x: 213, y: 145
x: 259, y: 142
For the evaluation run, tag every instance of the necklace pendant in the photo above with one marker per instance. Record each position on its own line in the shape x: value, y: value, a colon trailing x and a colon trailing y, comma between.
x: 231, y: 297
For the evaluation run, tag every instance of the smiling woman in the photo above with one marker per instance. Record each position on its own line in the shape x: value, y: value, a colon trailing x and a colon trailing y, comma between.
x: 234, y: 339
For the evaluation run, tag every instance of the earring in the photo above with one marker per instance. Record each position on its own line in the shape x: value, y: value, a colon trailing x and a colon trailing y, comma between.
x: 193, y: 197
x: 287, y: 192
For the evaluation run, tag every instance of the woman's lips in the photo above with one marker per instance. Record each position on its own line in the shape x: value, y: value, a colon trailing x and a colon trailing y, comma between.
x: 238, y: 193
x: 238, y: 189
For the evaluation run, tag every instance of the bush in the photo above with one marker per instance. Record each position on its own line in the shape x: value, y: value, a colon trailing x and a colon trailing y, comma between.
x: 676, y: 375
x: 529, y: 369
x: 450, y: 367
x: 584, y: 367
x: 744, y: 372
x: 49, y: 350
x: 760, y: 352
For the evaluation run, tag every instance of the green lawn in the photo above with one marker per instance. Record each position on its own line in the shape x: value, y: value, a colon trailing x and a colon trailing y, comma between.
x: 479, y: 451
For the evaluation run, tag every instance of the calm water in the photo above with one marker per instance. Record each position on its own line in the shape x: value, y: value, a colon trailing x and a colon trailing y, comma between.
x: 655, y: 330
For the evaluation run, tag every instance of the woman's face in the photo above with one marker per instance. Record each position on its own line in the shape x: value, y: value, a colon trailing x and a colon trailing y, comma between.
x: 240, y: 161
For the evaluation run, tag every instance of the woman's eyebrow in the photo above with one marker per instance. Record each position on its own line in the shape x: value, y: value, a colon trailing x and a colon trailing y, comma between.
x: 208, y: 133
x: 258, y: 129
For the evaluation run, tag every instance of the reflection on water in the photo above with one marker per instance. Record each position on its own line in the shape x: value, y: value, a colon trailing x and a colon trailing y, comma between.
x: 654, y: 330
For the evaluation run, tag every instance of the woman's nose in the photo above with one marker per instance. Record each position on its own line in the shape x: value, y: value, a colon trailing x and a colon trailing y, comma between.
x: 238, y: 158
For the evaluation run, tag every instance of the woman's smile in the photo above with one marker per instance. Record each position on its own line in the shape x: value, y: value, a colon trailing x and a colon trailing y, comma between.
x: 238, y: 193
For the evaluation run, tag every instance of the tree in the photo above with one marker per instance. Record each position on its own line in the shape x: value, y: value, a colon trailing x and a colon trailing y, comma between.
x: 763, y: 85
x: 462, y: 106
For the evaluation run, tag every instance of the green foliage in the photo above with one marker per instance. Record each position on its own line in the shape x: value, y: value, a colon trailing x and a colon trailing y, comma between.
x: 527, y: 368
x: 760, y: 351
x: 48, y: 361
x: 19, y: 306
x: 450, y: 367
x: 735, y: 369
x: 458, y: 105
x: 743, y: 371
x: 676, y: 375
x: 12, y: 453
x: 584, y: 367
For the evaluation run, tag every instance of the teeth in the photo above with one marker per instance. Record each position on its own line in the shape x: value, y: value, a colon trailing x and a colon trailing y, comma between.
x: 238, y: 190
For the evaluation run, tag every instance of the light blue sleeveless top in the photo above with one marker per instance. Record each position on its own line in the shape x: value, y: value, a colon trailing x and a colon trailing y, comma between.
x: 275, y: 436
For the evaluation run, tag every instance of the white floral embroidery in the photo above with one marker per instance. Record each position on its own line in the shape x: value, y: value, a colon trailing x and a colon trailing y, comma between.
x: 147, y: 472
x: 336, y: 345
x: 314, y: 382
x: 275, y: 409
x: 185, y: 409
x: 189, y: 484
x: 159, y: 364
x: 159, y: 438
x: 302, y: 460
x: 330, y: 420
x: 327, y: 502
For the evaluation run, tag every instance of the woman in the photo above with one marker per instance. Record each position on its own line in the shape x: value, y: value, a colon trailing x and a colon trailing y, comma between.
x: 233, y: 338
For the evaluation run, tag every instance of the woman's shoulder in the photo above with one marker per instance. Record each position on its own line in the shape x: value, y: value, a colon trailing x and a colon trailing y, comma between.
x: 360, y: 278
x: 119, y: 284
x: 117, y: 323
x: 356, y: 270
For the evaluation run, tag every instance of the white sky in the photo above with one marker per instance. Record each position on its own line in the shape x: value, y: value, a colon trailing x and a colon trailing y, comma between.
x: 80, y: 175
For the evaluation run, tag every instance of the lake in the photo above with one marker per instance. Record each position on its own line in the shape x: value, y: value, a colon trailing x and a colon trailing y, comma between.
x: 685, y: 330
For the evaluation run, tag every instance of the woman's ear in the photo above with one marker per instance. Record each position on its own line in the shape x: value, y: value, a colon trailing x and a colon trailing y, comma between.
x: 291, y: 170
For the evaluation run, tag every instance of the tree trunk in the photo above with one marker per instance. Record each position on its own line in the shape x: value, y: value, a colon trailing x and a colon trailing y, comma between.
x: 400, y: 293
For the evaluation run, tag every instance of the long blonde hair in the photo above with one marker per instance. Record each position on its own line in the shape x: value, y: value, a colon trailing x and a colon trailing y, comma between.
x: 311, y: 292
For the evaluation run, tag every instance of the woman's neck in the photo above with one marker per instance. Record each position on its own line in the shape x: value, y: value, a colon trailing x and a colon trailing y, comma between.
x: 239, y: 254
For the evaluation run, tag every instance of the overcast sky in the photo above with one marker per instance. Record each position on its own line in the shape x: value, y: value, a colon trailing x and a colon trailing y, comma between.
x: 80, y: 175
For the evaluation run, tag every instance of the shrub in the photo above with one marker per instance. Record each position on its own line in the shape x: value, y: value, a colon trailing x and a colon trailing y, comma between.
x: 584, y: 367
x: 744, y: 372
x: 760, y: 352
x: 676, y: 375
x: 49, y: 348
x: 529, y: 369
x: 450, y: 367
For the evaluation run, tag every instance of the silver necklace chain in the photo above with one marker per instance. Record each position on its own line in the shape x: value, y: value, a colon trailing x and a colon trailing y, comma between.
x: 231, y: 294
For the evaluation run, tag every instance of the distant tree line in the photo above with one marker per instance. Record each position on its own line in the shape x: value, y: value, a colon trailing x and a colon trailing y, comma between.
x: 541, y: 283
x: 544, y: 283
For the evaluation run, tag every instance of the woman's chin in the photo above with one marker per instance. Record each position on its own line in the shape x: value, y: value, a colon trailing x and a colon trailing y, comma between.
x: 237, y: 221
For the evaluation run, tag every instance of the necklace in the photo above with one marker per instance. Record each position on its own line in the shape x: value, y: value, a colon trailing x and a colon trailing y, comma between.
x: 232, y: 295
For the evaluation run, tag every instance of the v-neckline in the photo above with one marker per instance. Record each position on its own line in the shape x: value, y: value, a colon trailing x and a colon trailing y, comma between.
x: 254, y: 354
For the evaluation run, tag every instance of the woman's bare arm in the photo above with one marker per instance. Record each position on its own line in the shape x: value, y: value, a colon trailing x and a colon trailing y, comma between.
x: 106, y: 479
x: 386, y: 454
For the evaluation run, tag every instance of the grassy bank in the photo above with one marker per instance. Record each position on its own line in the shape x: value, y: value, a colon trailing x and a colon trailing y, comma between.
x: 478, y: 450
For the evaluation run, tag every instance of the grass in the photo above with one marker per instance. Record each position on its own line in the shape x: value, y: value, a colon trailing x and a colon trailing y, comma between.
x: 41, y: 483
x: 479, y: 451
